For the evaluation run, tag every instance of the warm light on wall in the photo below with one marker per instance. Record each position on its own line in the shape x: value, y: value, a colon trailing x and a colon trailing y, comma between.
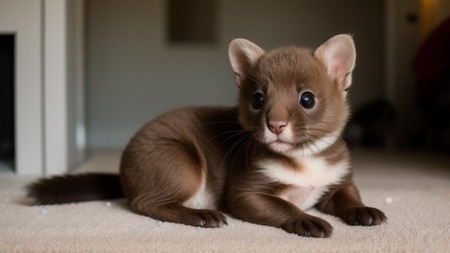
x: 428, y: 13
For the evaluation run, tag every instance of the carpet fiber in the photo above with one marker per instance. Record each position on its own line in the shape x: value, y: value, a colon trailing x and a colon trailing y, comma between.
x: 412, y: 189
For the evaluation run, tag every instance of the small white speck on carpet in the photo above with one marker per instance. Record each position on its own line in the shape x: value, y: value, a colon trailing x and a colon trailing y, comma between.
x: 389, y: 200
x: 44, y: 210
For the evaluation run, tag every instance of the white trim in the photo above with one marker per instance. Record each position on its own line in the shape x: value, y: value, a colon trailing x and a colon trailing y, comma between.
x: 23, y: 18
x: 80, y: 126
x: 64, y: 103
x: 55, y: 90
x: 49, y: 85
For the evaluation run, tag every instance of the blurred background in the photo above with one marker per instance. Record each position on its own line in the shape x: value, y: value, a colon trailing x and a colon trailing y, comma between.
x: 126, y: 61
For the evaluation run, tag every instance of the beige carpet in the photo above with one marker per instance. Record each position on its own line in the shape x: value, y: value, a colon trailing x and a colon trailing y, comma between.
x: 412, y: 189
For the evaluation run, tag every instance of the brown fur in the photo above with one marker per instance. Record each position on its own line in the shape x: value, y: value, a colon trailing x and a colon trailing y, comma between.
x: 75, y: 188
x: 189, y: 164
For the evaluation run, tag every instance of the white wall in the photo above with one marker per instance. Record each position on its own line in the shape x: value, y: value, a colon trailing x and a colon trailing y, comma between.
x: 63, y: 34
x: 49, y: 83
x: 133, y: 74
x: 23, y: 18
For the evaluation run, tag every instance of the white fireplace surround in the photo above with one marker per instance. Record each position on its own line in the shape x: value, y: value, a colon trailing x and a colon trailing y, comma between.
x: 49, y: 106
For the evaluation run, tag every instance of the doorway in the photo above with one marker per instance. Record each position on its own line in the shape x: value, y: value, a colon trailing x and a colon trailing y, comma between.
x: 7, y: 101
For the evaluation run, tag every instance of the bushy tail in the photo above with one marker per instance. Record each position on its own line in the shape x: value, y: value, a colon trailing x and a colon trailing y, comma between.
x: 75, y: 188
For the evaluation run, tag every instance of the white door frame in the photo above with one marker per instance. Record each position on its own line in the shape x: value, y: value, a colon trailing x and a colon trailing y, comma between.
x: 64, y: 85
x: 49, y: 84
x: 23, y: 18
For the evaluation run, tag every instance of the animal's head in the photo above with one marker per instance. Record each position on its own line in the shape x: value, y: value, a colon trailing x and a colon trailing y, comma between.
x: 294, y: 99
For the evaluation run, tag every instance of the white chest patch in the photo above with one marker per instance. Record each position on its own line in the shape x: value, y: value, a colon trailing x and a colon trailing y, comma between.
x: 307, y: 183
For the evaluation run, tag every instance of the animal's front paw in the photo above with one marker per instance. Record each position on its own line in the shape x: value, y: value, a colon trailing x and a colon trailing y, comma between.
x: 207, y: 219
x: 309, y: 227
x: 364, y: 216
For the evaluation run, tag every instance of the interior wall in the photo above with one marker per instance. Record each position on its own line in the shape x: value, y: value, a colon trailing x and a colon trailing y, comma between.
x: 47, y: 40
x: 75, y: 82
x: 62, y: 82
x: 133, y: 74
x: 406, y: 37
x: 432, y: 14
x: 23, y: 18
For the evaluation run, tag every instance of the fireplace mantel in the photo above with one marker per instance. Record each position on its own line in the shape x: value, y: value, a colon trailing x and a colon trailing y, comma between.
x: 49, y: 83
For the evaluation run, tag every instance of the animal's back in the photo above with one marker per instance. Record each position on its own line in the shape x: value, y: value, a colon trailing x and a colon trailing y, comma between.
x: 197, y: 144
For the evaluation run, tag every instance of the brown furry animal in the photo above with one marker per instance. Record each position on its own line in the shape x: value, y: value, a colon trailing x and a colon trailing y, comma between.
x: 276, y: 154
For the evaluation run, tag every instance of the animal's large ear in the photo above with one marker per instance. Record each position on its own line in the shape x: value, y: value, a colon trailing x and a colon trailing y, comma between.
x: 243, y: 54
x: 339, y: 56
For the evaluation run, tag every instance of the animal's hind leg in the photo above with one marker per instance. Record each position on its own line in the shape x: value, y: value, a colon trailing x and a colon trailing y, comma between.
x: 168, y: 179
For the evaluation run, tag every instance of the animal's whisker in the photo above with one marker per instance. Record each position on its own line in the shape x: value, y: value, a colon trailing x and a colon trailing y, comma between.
x: 237, y: 153
x: 232, y: 134
x: 241, y: 141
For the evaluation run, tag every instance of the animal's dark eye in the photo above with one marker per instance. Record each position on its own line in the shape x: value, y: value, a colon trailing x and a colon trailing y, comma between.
x: 307, y: 100
x: 258, y: 100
